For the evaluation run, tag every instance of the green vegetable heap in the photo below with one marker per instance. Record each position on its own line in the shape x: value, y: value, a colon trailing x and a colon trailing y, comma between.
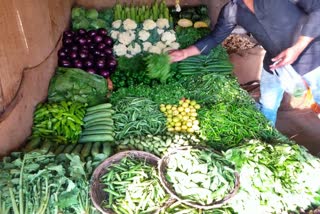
x: 58, y: 122
x: 200, y: 176
x: 133, y: 187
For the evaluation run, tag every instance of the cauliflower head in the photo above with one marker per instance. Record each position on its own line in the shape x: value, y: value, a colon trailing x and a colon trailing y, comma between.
x: 149, y: 24
x: 126, y: 37
x: 168, y: 37
x: 134, y: 48
x: 114, y: 34
x: 116, y: 24
x: 129, y: 24
x: 174, y: 45
x: 161, y: 45
x: 155, y: 50
x: 163, y: 23
x: 160, y: 31
x: 144, y: 35
x: 120, y: 49
x: 146, y: 46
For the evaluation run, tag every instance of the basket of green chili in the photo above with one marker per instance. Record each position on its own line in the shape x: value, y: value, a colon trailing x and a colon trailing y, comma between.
x: 198, y: 177
x: 128, y: 182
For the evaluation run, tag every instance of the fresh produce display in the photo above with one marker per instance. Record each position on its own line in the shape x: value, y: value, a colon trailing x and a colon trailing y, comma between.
x: 158, y: 66
x: 133, y: 186
x: 159, y: 145
x: 132, y: 38
x: 281, y: 178
x: 88, y: 50
x: 39, y: 183
x: 91, y: 19
x: 204, y: 64
x: 199, y: 176
x: 58, y: 122
x: 157, y: 10
x: 76, y: 85
x: 137, y: 116
x: 83, y: 123
x: 182, y: 117
x: 98, y: 124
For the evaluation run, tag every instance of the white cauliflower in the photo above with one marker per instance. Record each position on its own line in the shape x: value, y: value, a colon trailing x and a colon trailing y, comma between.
x: 154, y: 49
x: 144, y: 35
x: 160, y: 31
x: 129, y: 55
x: 126, y: 37
x: 134, y: 48
x: 161, y: 45
x: 114, y: 34
x: 174, y: 45
x: 129, y: 24
x: 116, y: 24
x: 163, y: 23
x: 146, y: 46
x: 149, y: 24
x: 120, y: 49
x: 168, y: 37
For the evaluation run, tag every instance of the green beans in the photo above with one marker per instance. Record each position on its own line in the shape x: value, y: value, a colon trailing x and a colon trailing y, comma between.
x: 133, y: 187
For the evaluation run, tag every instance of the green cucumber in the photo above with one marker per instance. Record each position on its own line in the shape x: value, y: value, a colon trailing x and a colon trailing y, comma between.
x: 99, y: 107
x: 59, y: 149
x: 96, y: 138
x: 98, y: 120
x: 95, y: 149
x: 98, y: 131
x: 68, y: 149
x: 100, y: 111
x: 107, y: 149
x: 98, y: 127
x: 98, y: 115
x: 85, y: 151
x: 77, y: 149
x: 32, y: 144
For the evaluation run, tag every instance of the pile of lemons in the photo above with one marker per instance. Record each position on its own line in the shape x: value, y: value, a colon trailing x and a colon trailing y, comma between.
x: 182, y: 117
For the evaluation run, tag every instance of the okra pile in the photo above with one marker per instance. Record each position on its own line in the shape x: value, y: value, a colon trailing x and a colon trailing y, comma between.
x: 200, y: 176
x: 133, y: 187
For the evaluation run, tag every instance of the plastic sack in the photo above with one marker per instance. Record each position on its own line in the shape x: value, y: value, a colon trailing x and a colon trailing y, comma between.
x: 291, y: 81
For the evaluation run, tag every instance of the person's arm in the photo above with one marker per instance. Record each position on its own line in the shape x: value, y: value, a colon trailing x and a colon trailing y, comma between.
x: 309, y: 31
x: 225, y: 24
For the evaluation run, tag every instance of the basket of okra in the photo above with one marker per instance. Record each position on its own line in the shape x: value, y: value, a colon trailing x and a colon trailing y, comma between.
x: 198, y: 177
x: 128, y: 182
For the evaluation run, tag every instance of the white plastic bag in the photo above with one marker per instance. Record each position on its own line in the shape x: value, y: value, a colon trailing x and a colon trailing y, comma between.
x: 291, y: 81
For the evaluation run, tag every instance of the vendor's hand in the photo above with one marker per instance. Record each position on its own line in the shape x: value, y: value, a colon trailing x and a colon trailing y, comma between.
x: 177, y: 55
x: 286, y: 57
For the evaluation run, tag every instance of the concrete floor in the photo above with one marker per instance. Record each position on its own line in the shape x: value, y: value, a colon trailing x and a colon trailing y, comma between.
x: 295, y: 118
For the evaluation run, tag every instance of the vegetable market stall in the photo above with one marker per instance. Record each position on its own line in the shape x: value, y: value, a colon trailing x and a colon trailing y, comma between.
x: 156, y: 107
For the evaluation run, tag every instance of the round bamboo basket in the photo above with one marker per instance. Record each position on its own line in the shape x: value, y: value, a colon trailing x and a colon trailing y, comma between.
x: 168, y: 187
x: 97, y: 194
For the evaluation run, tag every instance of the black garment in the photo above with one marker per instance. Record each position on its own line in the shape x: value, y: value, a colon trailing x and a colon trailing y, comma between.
x: 276, y: 25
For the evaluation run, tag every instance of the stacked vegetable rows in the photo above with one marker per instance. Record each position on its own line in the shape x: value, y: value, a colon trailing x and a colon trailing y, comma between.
x: 80, y: 125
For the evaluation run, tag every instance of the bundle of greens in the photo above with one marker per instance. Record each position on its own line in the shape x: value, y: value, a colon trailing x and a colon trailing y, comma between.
x: 137, y: 116
x: 38, y: 183
x: 76, y: 85
x: 188, y: 36
x: 158, y: 66
x: 226, y: 125
x: 275, y: 179
x: 160, y: 93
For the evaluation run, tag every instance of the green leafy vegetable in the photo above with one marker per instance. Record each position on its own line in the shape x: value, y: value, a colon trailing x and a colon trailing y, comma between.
x: 158, y: 66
